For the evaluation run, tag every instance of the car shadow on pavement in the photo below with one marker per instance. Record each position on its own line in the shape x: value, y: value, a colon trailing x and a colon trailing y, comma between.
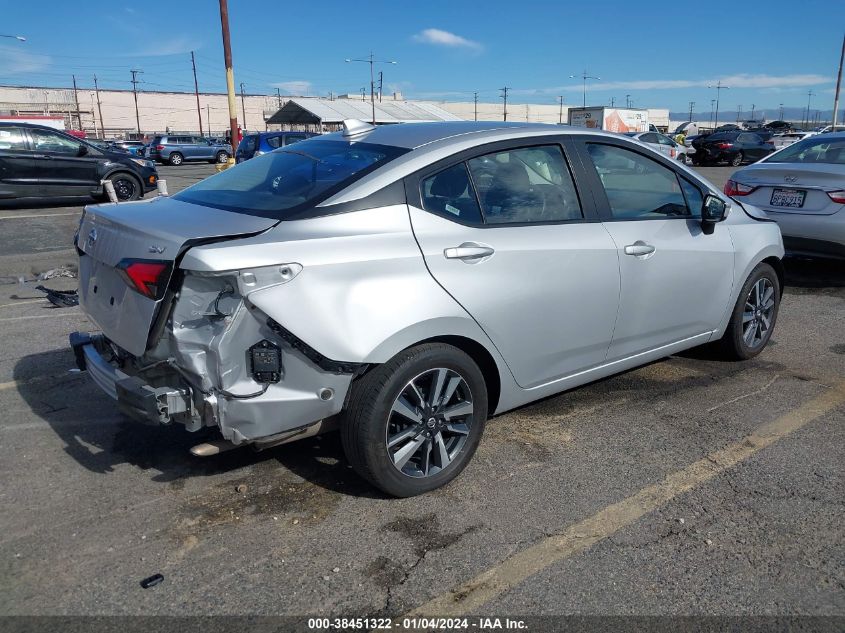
x: 46, y: 203
x: 814, y: 273
x: 101, y: 440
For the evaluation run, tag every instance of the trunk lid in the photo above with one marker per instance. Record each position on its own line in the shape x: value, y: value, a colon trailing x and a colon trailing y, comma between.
x: 158, y: 230
x: 816, y: 179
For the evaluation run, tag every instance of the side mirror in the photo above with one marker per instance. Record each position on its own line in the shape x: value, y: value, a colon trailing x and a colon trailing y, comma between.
x: 712, y: 211
x: 82, y: 151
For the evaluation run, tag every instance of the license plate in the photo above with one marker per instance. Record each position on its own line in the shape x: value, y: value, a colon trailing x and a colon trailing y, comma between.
x: 788, y: 198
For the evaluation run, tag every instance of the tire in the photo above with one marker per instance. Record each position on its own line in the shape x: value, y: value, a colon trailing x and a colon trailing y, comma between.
x: 734, y: 344
x: 370, y: 419
x: 176, y: 159
x: 126, y: 186
x: 221, y: 157
x: 736, y: 161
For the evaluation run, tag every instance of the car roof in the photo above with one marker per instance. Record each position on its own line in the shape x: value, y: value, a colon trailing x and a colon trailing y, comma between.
x: 416, y: 135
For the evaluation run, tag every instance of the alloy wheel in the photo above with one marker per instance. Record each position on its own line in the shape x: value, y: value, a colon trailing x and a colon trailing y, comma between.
x: 429, y: 422
x: 758, y: 313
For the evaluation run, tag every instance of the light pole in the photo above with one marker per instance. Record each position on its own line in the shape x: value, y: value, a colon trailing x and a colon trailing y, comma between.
x: 20, y: 38
x: 585, y: 77
x: 810, y: 95
x: 719, y: 87
x: 627, y: 101
x: 371, y: 60
x: 838, y: 85
x: 781, y: 111
x: 560, y: 112
x: 691, y: 106
x: 752, y: 111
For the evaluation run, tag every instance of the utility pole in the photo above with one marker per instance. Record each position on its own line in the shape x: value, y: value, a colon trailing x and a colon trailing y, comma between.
x: 475, y: 104
x: 781, y: 111
x: 585, y: 77
x: 243, y: 105
x: 712, y: 105
x: 752, y: 111
x: 627, y: 101
x: 363, y: 91
x: 371, y: 60
x: 99, y: 108
x: 810, y: 95
x: 612, y: 101
x: 380, y: 80
x: 196, y: 93
x: 719, y: 87
x: 208, y: 117
x: 691, y: 106
x: 76, y: 98
x: 738, y: 113
x: 838, y: 84
x: 230, y: 76
x: 279, y: 97
x: 505, y: 102
x: 135, y: 94
x: 560, y: 111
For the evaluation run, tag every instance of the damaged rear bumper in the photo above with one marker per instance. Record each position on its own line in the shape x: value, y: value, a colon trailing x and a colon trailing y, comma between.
x: 134, y: 397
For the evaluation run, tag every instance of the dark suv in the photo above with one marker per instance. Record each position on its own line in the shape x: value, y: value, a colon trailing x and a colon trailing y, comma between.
x: 176, y: 149
x: 38, y: 161
x: 263, y: 142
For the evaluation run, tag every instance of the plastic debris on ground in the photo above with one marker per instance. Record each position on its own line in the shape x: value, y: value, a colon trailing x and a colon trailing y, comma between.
x: 60, y: 298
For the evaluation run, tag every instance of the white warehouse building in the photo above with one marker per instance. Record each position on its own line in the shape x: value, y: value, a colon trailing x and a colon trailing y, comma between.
x: 158, y: 112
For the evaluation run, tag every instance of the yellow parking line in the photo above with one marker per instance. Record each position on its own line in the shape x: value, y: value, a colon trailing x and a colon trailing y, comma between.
x: 576, y: 538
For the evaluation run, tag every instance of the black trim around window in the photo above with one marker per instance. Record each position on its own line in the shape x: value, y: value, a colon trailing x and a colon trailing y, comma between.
x: 413, y: 182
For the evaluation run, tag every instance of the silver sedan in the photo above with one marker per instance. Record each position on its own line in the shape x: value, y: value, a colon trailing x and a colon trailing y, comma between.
x: 802, y: 188
x: 405, y: 281
x: 662, y: 144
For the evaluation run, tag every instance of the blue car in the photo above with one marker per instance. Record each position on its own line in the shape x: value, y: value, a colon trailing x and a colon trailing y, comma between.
x: 263, y: 142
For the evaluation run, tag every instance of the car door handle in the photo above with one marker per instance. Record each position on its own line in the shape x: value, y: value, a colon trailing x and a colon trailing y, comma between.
x: 639, y: 248
x: 468, y: 252
x: 43, y: 156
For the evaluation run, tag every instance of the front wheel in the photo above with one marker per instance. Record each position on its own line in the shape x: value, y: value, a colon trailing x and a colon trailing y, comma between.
x: 126, y: 187
x: 176, y: 159
x: 222, y: 157
x: 754, y: 315
x: 413, y: 423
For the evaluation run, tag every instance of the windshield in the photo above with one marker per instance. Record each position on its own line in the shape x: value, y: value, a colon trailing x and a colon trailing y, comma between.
x: 286, y: 181
x: 812, y: 150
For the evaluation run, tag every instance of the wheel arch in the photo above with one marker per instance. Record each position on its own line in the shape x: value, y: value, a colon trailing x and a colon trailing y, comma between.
x: 777, y: 264
x: 124, y: 170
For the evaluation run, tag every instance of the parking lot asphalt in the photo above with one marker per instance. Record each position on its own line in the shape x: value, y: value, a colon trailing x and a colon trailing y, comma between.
x: 689, y: 486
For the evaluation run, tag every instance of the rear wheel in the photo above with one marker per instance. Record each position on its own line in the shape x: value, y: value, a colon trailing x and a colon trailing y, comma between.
x: 413, y: 423
x: 754, y: 315
x: 176, y: 159
x: 737, y: 159
x: 222, y: 157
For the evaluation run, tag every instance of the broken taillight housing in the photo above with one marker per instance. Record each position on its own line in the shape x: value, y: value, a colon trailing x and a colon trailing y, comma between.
x: 148, y: 277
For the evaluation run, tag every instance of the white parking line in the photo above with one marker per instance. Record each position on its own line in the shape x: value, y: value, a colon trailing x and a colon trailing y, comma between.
x: 36, y: 215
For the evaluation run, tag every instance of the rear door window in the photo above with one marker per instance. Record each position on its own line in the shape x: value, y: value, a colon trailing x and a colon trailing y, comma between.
x: 275, y: 141
x: 530, y: 184
x: 12, y: 139
x: 637, y: 187
x: 248, y: 144
x: 290, y: 139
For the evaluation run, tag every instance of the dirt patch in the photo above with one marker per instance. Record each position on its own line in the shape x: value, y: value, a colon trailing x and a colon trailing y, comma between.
x: 300, y: 503
x: 424, y: 532
x: 838, y: 349
x: 384, y: 572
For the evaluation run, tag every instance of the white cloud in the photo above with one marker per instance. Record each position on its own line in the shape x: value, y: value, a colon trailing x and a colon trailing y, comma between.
x: 439, y: 37
x: 294, y: 87
x: 733, y: 81
x: 14, y: 60
x: 162, y: 48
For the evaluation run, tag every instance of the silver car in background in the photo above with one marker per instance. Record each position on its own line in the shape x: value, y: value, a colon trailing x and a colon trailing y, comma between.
x: 404, y: 282
x: 802, y: 188
x: 662, y: 144
x: 788, y: 138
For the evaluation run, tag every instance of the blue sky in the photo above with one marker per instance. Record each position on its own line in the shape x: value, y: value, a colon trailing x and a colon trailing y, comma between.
x: 661, y: 53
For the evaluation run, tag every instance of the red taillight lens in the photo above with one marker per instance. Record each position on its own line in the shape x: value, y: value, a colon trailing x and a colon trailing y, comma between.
x: 837, y: 196
x: 734, y: 188
x: 724, y: 145
x: 159, y: 147
x: 147, y: 277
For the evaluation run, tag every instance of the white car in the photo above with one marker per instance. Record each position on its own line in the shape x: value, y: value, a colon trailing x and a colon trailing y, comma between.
x: 788, y: 138
x: 662, y: 144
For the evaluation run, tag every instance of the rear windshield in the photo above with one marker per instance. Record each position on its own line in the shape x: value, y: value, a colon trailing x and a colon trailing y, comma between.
x: 285, y: 182
x: 816, y: 149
